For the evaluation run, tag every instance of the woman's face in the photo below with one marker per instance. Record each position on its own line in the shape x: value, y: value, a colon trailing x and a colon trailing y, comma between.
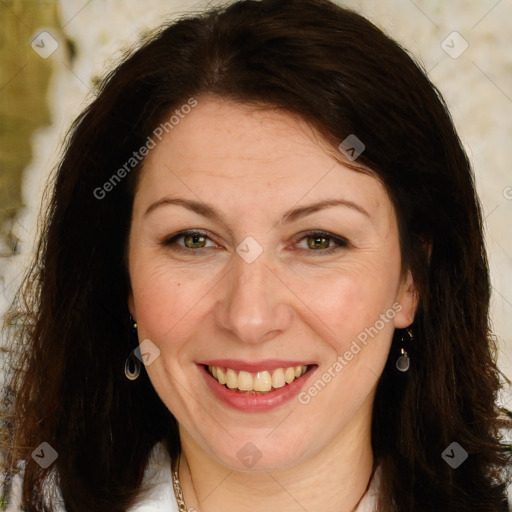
x: 290, y: 260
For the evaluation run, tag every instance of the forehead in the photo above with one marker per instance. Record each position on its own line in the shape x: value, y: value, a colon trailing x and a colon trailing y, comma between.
x: 250, y: 154
x: 220, y: 130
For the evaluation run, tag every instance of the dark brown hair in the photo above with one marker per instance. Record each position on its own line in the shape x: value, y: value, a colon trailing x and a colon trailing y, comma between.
x: 70, y: 330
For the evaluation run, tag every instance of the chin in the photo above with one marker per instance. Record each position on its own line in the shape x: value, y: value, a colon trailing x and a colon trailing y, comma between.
x: 261, y: 453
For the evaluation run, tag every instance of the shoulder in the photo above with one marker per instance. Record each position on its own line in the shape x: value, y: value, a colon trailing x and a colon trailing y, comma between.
x: 14, y: 491
x: 157, y: 479
x: 370, y: 501
x: 159, y: 493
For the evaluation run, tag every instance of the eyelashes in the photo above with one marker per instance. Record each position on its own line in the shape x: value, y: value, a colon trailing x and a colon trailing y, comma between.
x: 201, y: 238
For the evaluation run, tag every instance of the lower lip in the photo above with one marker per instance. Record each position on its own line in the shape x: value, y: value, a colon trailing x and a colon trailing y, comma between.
x: 256, y: 403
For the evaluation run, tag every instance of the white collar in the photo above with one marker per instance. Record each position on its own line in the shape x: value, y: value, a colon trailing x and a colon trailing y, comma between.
x: 161, y: 496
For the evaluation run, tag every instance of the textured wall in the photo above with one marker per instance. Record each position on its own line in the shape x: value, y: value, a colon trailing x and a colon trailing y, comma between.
x: 472, y: 68
x: 24, y: 108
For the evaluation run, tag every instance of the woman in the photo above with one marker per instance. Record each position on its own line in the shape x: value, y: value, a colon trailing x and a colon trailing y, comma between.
x: 261, y: 284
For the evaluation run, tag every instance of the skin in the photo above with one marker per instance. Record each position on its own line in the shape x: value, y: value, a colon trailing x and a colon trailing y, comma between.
x: 293, y: 301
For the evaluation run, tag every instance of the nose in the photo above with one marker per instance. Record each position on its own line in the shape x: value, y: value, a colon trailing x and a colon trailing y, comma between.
x: 255, y: 305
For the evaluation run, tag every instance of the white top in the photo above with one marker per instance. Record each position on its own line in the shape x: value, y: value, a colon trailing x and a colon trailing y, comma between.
x: 161, y: 497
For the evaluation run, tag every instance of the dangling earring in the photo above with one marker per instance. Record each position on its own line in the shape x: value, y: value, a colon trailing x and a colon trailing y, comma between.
x: 403, y: 362
x: 132, y: 363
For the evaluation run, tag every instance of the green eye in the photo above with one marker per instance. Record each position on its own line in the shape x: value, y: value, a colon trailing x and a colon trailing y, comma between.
x: 318, y: 242
x: 194, y: 240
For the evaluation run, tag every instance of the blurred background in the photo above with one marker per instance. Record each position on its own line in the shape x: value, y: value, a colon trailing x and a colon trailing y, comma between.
x: 52, y: 53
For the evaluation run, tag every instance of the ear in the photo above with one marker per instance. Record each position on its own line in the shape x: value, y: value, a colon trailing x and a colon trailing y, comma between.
x: 408, y: 298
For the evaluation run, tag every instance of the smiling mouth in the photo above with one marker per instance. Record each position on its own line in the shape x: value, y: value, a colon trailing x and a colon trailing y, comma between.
x: 258, y: 383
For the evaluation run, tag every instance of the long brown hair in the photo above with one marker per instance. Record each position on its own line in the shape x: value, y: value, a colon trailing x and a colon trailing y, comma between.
x: 69, y: 326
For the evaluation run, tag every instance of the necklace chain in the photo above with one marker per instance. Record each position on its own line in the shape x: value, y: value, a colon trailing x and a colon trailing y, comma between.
x: 182, y: 507
x: 178, y: 493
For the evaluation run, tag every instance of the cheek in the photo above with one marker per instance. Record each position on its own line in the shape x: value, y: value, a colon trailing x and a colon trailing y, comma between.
x: 165, y: 300
x: 354, y: 313
x: 352, y: 299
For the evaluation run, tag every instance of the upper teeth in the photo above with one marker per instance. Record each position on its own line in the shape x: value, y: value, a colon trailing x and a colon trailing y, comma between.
x: 260, y: 381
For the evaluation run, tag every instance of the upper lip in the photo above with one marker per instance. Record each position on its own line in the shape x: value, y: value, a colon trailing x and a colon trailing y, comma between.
x: 253, y: 366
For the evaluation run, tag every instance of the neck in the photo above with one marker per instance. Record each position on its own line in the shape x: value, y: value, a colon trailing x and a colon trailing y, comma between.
x: 333, y: 480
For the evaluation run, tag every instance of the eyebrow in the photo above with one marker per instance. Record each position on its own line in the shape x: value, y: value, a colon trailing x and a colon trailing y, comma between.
x: 292, y: 215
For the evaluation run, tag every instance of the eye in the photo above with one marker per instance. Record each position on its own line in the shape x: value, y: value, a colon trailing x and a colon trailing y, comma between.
x: 192, y: 240
x: 323, y: 242
x: 317, y: 241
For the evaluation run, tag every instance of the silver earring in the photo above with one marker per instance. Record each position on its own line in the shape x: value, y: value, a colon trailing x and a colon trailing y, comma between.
x: 403, y: 362
x: 132, y: 363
